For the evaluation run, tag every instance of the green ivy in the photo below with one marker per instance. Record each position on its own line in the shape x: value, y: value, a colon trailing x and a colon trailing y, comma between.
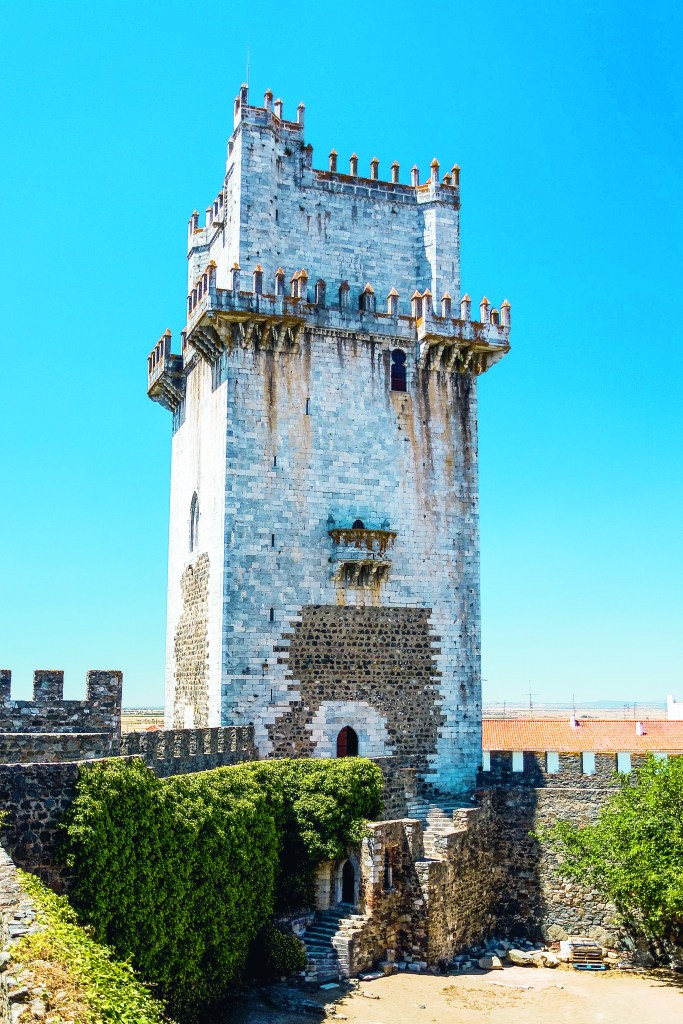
x: 107, y: 989
x: 181, y: 874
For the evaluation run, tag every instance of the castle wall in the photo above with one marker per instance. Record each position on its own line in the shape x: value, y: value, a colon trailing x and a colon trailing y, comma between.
x: 100, y: 712
x: 535, y: 898
x: 184, y: 751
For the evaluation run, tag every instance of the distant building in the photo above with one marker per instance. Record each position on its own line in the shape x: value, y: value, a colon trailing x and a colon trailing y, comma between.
x: 674, y: 709
x: 553, y: 738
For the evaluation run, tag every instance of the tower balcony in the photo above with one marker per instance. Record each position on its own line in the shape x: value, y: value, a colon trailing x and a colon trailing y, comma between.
x: 165, y: 380
x: 361, y: 557
x: 449, y: 344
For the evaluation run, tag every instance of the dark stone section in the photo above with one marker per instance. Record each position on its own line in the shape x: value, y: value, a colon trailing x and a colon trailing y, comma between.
x: 535, y: 899
x: 56, y: 746
x: 384, y: 656
x: 192, y: 646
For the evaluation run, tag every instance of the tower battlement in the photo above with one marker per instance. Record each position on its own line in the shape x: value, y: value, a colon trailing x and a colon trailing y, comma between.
x: 275, y: 209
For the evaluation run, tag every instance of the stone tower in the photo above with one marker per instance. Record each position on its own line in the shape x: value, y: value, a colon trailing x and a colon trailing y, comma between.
x: 323, y: 577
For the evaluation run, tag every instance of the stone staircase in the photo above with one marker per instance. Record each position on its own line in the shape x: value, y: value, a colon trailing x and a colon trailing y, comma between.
x: 327, y: 942
x: 437, y: 820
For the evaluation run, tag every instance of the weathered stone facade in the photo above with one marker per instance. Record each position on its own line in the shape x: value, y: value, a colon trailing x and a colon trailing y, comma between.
x: 324, y: 457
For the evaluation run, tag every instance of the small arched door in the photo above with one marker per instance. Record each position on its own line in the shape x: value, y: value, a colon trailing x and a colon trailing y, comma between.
x: 347, y: 742
x: 348, y: 886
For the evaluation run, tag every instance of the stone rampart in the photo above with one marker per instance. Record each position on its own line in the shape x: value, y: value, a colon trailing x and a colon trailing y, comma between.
x: 56, y: 746
x: 534, y: 899
x: 49, y: 712
x: 37, y: 794
x: 181, y: 751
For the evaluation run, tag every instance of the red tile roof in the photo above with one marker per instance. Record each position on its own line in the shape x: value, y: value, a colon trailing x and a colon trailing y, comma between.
x: 600, y: 735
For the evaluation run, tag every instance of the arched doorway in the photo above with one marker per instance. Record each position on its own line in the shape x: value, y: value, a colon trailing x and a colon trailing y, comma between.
x: 348, y: 883
x: 347, y: 742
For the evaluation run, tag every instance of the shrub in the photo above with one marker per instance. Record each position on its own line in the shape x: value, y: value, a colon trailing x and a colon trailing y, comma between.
x: 94, y: 987
x: 276, y: 953
x: 181, y: 874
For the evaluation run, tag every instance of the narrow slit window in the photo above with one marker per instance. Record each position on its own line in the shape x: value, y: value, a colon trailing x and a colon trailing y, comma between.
x: 272, y: 615
x: 308, y: 407
x: 194, y: 521
x: 272, y: 540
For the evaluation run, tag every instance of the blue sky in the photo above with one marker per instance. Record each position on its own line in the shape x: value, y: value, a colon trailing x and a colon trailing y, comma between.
x: 566, y: 121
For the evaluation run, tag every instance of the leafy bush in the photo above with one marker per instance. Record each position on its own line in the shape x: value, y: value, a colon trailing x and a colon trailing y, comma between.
x: 276, y: 953
x: 181, y: 874
x: 633, y: 853
x: 94, y: 987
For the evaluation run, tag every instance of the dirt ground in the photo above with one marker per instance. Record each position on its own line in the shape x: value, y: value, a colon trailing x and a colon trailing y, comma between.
x: 517, y: 995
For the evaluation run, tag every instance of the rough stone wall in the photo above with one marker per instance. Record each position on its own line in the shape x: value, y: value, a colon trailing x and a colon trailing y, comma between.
x: 48, y: 712
x: 60, y: 746
x: 36, y: 797
x: 434, y: 907
x: 191, y: 647
x: 401, y: 786
x: 534, y: 898
x: 17, y: 918
x: 461, y: 888
x: 383, y: 657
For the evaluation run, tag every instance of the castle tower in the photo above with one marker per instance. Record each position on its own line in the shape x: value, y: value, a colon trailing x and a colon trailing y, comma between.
x: 323, y: 578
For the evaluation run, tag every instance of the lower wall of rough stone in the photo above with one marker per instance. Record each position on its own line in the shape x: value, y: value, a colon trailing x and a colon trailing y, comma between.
x: 534, y: 899
x: 461, y: 890
x: 37, y: 794
x: 56, y: 746
x: 434, y: 907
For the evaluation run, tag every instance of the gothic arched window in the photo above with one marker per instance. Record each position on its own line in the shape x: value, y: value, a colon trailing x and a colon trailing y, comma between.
x: 347, y: 742
x: 194, y: 521
x: 398, y: 370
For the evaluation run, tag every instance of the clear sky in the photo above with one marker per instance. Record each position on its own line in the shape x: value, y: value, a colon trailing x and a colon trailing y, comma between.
x: 566, y: 121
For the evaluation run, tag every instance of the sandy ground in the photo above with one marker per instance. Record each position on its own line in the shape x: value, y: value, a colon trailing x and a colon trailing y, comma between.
x: 516, y: 995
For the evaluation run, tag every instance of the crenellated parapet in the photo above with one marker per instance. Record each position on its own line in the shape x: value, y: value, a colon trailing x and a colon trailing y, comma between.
x: 228, y: 318
x: 99, y: 712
